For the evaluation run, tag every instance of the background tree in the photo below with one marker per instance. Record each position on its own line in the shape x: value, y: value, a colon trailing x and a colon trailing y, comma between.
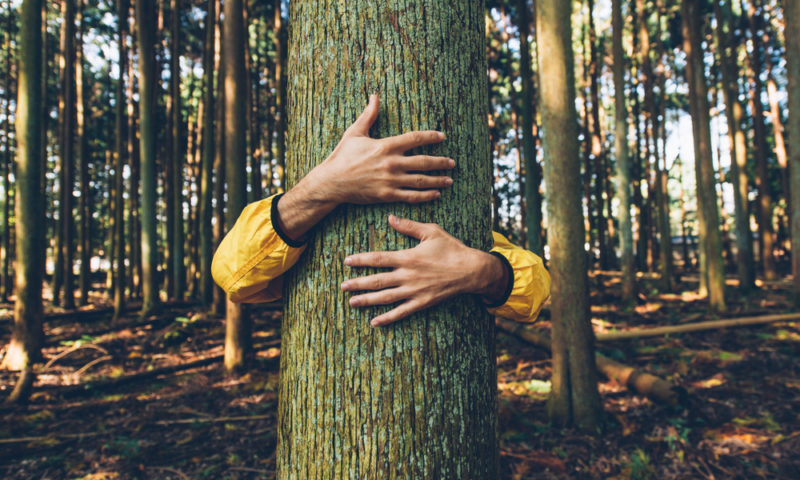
x: 792, y: 16
x: 574, y: 399
x: 387, y: 396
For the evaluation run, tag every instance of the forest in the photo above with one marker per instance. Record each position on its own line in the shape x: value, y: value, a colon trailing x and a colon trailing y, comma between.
x: 647, y: 150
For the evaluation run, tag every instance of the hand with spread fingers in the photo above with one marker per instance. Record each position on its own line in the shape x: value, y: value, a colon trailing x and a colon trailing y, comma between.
x: 364, y: 170
x: 438, y: 268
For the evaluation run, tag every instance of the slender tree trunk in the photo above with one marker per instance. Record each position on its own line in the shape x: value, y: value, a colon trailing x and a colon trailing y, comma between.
x: 177, y: 246
x: 256, y: 156
x: 82, y: 155
x: 792, y: 17
x: 279, y: 33
x: 68, y: 154
x: 623, y: 160
x: 533, y: 198
x: 207, y: 169
x: 145, y: 27
x: 734, y: 111
x: 120, y: 156
x: 707, y: 212
x: 574, y: 399
x: 134, y: 217
x: 665, y: 261
x: 766, y: 232
x: 598, y: 152
x: 416, y: 399
x: 27, y: 335
x: 7, y: 161
x: 238, y: 341
x: 219, y: 164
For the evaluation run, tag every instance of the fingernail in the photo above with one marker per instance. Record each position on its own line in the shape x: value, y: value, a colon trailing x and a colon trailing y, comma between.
x: 344, y: 285
x: 438, y: 194
x: 348, y: 261
x: 392, y: 218
x: 448, y: 181
x: 373, y: 324
x: 354, y: 302
x: 441, y: 135
x: 452, y: 163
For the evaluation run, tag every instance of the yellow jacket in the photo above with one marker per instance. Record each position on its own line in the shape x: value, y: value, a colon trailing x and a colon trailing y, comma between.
x: 253, y: 256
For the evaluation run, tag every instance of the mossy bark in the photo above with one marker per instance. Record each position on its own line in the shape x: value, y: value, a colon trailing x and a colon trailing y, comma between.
x: 416, y: 399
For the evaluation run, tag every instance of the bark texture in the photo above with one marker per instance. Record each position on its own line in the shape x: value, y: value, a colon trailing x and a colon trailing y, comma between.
x: 792, y: 16
x: 416, y: 399
x: 574, y: 399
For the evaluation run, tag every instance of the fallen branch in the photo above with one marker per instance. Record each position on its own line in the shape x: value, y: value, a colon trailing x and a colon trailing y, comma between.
x: 213, y: 420
x: 696, y: 327
x: 640, y: 382
x: 47, y: 437
x: 71, y: 350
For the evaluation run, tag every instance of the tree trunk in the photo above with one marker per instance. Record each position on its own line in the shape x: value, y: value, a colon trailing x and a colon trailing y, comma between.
x: 665, y: 261
x: 533, y: 198
x: 415, y: 399
x: 177, y: 247
x: 279, y: 35
x: 82, y: 155
x: 574, y: 399
x: 134, y: 217
x: 623, y: 160
x: 792, y: 18
x: 145, y: 30
x: 237, y: 326
x: 219, y: 153
x: 207, y: 169
x: 7, y: 161
x: 707, y: 213
x: 120, y: 151
x: 26, y: 339
x: 734, y: 112
x: 765, y: 230
x: 68, y: 153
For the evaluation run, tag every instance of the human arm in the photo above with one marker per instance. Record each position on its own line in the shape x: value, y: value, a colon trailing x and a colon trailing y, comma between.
x: 441, y: 267
x: 269, y: 235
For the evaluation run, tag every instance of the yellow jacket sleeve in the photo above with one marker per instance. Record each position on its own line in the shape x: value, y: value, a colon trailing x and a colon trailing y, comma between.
x: 531, y: 282
x: 250, y: 260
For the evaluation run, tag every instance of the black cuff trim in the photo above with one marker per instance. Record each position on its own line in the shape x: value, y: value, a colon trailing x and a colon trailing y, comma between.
x: 509, y: 286
x: 276, y: 225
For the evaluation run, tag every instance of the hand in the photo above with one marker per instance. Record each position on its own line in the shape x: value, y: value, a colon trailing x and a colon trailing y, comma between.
x: 438, y: 268
x: 365, y: 170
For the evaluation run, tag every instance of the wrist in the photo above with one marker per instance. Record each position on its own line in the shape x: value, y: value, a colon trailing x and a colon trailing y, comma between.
x: 494, y: 277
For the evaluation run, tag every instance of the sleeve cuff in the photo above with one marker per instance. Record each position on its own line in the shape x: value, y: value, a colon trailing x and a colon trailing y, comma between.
x: 509, y: 286
x: 276, y: 224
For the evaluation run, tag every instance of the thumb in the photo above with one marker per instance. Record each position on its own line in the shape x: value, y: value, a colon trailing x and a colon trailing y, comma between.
x: 363, y: 123
x: 409, y: 227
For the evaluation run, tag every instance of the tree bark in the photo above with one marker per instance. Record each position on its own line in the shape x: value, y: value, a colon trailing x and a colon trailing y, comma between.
x: 416, y: 399
x: 207, y: 169
x: 145, y: 30
x: 120, y: 156
x: 574, y: 399
x: 26, y: 339
x: 707, y: 212
x: 792, y: 18
x: 734, y: 112
x: 279, y: 36
x: 177, y: 246
x: 82, y: 155
x: 625, y: 228
x: 7, y: 161
x: 68, y: 154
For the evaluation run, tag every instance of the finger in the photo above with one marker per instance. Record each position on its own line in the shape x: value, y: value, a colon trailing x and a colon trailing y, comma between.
x: 416, y: 196
x: 373, y: 259
x: 398, y: 313
x: 364, y: 122
x: 410, y: 227
x: 383, y: 297
x: 425, y: 163
x: 410, y: 140
x: 378, y: 281
x: 424, y: 182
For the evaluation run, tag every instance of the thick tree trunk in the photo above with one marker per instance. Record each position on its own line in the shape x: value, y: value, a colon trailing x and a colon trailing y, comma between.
x: 207, y: 168
x: 177, y: 247
x: 533, y: 198
x: 145, y: 30
x: 707, y: 212
x: 415, y: 399
x: 745, y: 263
x: 792, y: 18
x: 237, y: 326
x: 574, y: 399
x: 625, y: 228
x: 26, y: 339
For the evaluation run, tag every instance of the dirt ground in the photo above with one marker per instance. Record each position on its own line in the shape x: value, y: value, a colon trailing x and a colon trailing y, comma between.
x: 88, y: 419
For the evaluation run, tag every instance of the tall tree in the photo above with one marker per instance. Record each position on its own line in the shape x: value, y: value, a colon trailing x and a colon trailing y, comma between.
x: 279, y: 36
x: 207, y: 168
x: 82, y: 156
x: 625, y: 229
x: 415, y: 399
x: 120, y: 153
x: 177, y: 157
x: 237, y: 324
x: 26, y: 339
x: 734, y: 112
x: 533, y: 198
x: 711, y: 266
x: 145, y: 30
x: 68, y: 122
x: 574, y: 399
x: 792, y: 17
x: 7, y: 161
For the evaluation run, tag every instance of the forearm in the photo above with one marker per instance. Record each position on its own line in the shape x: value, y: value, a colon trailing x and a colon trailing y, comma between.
x: 302, y: 207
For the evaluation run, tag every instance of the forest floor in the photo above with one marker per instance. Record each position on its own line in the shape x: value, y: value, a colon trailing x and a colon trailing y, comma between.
x: 107, y: 405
